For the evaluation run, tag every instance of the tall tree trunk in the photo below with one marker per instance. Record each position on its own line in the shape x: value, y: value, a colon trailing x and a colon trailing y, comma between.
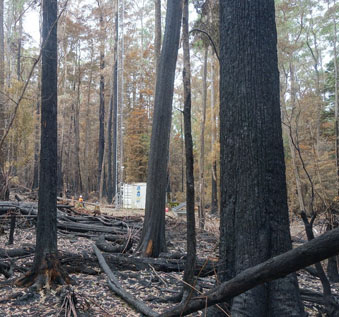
x: 77, y: 169
x: 157, y: 31
x: 35, y: 183
x: 190, y: 200
x: 254, y: 223
x: 214, y: 196
x: 336, y: 98
x: 332, y: 267
x: 202, y: 145
x: 2, y: 102
x: 102, y: 100
x: 46, y: 268
x: 291, y: 141
x: 113, y: 107
x: 153, y: 233
x: 46, y: 242
x: 18, y: 63
x: 87, y: 129
x: 109, y: 144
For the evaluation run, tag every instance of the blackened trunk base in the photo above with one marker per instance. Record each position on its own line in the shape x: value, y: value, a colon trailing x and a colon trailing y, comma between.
x: 48, y: 273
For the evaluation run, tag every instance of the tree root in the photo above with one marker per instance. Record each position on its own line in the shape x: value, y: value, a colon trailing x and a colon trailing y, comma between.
x: 48, y: 275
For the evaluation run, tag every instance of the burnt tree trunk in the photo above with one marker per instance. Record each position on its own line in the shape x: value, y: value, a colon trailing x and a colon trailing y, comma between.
x: 202, y: 145
x: 332, y: 266
x: 112, y: 136
x: 18, y: 57
x: 214, y: 194
x: 102, y: 101
x: 87, y: 126
x: 76, y: 159
x: 190, y: 216
x: 254, y: 215
x: 157, y: 30
x: 46, y: 268
x: 115, y: 108
x: 35, y: 182
x: 3, y: 189
x: 153, y: 234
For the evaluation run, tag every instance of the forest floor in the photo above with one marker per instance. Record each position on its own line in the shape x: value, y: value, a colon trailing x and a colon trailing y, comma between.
x: 93, y: 297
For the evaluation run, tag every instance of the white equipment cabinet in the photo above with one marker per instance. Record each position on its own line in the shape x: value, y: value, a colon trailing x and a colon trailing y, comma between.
x: 134, y: 196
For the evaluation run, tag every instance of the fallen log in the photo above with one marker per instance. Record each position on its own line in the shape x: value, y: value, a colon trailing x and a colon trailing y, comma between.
x: 11, y: 253
x: 314, y: 251
x: 133, y: 263
x: 115, y: 286
x: 81, y: 227
x: 5, y: 269
x: 114, y: 248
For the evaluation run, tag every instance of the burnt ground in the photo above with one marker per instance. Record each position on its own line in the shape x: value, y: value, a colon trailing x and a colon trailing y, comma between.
x: 90, y: 293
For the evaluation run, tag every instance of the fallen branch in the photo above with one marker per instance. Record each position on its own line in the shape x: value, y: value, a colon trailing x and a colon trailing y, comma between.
x: 134, y: 263
x: 16, y: 252
x: 311, y: 252
x: 113, y: 248
x: 116, y: 287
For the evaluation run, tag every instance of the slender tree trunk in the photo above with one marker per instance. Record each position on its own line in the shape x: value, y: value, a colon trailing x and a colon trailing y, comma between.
x: 18, y: 64
x: 46, y: 268
x: 109, y: 145
x: 157, y: 33
x: 190, y: 214
x: 202, y: 146
x: 300, y: 194
x: 102, y: 177
x: 214, y: 197
x: 153, y: 233
x: 87, y: 129
x: 332, y: 268
x: 102, y: 101
x: 35, y: 183
x: 182, y: 152
x: 115, y: 108
x: 2, y: 101
x: 336, y: 101
x: 77, y: 169
x: 112, y: 134
x: 254, y: 223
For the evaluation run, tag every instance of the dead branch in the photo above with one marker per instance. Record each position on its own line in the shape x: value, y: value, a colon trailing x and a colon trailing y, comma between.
x: 311, y: 252
x: 116, y: 287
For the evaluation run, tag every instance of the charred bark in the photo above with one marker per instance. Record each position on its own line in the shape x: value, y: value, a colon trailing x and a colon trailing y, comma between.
x: 102, y: 102
x: 153, y: 233
x: 190, y: 197
x: 46, y: 268
x: 254, y: 222
x: 3, y: 188
x: 157, y: 33
x: 113, y: 120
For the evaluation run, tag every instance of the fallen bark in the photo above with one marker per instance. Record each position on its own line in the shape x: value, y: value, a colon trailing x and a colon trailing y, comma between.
x: 116, y: 287
x: 311, y: 252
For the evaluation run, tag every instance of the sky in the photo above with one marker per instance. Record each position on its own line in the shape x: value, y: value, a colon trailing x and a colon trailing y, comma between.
x: 31, y: 25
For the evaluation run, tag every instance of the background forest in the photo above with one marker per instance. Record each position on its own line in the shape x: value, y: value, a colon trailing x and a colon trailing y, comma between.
x: 106, y: 80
